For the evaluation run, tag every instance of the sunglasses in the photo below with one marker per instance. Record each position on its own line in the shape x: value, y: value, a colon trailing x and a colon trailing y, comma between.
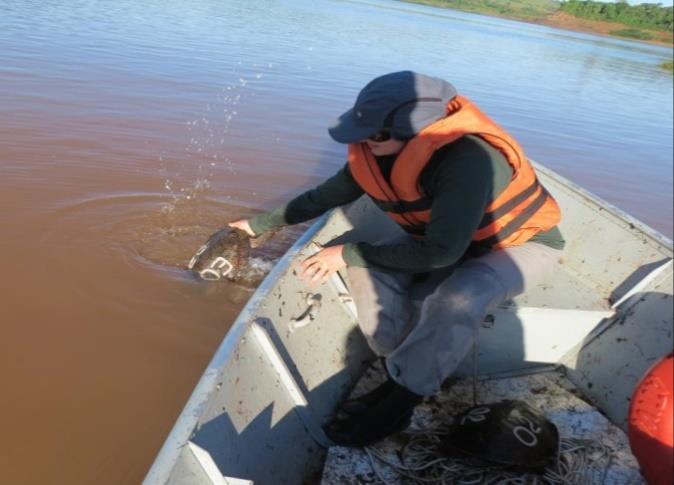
x: 381, y: 136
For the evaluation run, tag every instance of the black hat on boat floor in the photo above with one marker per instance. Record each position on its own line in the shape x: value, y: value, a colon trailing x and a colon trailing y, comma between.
x: 510, y: 433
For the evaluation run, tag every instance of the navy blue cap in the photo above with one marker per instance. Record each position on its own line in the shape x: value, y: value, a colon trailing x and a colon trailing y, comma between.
x: 403, y: 102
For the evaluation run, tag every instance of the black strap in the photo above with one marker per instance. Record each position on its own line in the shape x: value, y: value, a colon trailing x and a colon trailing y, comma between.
x: 417, y: 230
x: 402, y: 206
x: 518, y: 221
x: 496, y: 214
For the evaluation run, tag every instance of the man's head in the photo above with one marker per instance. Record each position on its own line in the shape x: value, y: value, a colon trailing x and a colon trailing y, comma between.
x: 384, y: 143
x: 392, y: 109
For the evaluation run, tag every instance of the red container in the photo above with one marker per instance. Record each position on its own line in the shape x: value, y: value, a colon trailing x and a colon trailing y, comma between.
x: 651, y: 428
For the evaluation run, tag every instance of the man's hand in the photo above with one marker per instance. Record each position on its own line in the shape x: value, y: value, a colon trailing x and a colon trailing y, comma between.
x: 242, y: 224
x: 322, y: 265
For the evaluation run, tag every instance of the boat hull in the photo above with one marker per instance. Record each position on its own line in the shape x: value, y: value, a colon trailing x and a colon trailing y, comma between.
x: 256, y: 413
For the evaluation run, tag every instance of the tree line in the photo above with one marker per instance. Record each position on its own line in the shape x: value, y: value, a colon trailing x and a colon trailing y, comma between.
x: 645, y: 15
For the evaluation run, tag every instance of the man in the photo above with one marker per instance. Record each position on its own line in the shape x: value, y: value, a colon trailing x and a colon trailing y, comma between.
x: 479, y: 229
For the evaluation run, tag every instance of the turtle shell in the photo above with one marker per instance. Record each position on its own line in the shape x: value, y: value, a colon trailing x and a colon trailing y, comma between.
x: 510, y: 433
x: 228, y: 243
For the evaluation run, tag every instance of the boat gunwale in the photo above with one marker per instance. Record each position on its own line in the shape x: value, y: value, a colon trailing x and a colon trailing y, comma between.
x: 608, y: 208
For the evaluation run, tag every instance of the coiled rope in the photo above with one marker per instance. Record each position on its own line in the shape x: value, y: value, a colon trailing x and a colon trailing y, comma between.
x: 421, y: 461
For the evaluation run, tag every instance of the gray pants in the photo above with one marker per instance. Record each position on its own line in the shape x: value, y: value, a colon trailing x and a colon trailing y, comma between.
x: 426, y: 327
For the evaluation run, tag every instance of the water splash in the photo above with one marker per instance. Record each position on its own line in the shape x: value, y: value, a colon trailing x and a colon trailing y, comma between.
x: 206, y: 154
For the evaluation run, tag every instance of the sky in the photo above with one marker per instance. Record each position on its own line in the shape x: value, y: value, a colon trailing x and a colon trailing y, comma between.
x: 665, y: 3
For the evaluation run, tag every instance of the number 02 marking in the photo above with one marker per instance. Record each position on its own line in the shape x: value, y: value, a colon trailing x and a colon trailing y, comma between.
x: 527, y: 436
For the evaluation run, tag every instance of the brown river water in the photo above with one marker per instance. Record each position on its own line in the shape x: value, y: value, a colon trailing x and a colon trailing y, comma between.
x: 130, y: 131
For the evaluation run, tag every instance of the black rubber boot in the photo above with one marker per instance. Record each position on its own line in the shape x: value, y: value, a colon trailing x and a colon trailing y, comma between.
x: 360, y: 404
x: 388, y: 415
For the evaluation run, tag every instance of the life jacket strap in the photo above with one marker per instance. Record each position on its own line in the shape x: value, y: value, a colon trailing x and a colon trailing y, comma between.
x: 499, y: 212
x: 418, y: 230
x: 403, y: 206
x: 518, y: 221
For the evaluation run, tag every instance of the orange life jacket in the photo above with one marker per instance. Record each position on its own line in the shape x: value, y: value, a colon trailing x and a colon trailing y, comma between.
x: 523, y: 209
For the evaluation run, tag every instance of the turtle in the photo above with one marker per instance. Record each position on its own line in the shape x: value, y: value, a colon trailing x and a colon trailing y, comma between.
x: 224, y: 255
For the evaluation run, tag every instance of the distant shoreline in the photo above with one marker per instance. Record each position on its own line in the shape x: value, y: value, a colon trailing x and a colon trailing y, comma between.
x: 560, y: 20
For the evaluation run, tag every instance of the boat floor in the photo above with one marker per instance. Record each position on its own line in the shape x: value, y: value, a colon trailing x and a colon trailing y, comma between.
x: 550, y: 392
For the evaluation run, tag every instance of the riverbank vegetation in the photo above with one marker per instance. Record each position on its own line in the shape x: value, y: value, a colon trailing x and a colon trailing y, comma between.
x: 518, y: 9
x: 646, y: 15
x: 650, y: 22
x: 632, y: 33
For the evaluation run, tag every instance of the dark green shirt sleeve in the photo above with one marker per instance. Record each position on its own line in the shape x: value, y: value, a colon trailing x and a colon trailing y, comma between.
x: 338, y: 190
x: 461, y: 187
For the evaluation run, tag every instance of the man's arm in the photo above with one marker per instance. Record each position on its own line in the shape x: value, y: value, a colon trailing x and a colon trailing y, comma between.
x: 338, y: 190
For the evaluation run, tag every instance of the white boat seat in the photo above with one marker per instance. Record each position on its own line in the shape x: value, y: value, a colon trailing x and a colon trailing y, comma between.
x: 563, y: 290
